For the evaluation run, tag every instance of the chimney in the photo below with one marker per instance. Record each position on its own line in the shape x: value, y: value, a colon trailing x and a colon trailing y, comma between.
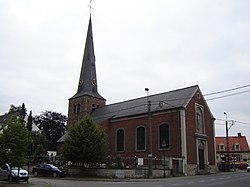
x: 239, y: 134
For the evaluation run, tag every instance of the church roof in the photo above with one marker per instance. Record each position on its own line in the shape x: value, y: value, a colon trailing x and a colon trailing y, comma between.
x: 88, y: 79
x: 159, y: 102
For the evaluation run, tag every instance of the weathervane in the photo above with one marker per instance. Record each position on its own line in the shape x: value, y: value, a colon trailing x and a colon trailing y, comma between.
x: 90, y: 7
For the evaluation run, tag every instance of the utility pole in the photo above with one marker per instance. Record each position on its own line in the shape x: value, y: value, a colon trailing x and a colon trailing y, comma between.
x: 228, y: 159
x: 149, y: 143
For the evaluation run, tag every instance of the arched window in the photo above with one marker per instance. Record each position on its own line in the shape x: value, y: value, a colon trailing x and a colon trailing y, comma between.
x: 140, y: 139
x: 120, y: 140
x: 164, y: 136
x: 199, y: 120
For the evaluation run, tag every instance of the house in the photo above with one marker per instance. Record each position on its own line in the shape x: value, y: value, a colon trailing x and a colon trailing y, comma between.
x: 175, y: 125
x: 5, y: 118
x: 238, y: 149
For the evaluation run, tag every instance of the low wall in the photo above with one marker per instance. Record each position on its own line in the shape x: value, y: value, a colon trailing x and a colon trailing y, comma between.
x: 115, y: 173
x: 192, y: 169
x: 213, y: 169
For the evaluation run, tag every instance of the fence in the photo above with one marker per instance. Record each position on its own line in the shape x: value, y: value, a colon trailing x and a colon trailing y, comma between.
x: 140, y: 165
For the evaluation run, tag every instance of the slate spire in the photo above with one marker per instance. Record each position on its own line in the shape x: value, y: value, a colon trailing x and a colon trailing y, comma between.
x: 88, y: 80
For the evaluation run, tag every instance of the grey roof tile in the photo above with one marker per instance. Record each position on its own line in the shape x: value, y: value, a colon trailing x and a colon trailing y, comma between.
x: 159, y: 102
x: 88, y: 79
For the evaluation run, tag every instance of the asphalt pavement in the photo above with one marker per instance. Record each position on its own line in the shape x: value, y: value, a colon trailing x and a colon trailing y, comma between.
x: 44, y: 183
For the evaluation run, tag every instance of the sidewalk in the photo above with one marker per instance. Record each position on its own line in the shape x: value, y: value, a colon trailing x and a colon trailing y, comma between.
x: 6, y: 183
x: 23, y: 184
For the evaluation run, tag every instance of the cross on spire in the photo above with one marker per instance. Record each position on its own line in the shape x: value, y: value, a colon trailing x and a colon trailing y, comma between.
x: 90, y: 7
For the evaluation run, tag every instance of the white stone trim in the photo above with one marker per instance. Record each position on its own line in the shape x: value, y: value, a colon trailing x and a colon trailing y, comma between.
x: 183, y: 139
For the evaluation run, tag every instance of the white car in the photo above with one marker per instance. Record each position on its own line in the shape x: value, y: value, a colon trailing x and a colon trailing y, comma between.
x: 248, y: 168
x: 5, y: 173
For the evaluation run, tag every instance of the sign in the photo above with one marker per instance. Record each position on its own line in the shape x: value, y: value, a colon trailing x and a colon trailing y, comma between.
x: 140, y: 161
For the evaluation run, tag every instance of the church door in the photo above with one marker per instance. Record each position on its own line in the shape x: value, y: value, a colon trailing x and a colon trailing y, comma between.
x: 201, y: 156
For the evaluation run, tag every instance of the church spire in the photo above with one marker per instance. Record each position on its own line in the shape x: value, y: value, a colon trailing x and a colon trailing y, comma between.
x: 87, y: 97
x: 88, y: 80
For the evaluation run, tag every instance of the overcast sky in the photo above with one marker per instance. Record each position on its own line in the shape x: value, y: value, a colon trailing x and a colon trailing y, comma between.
x: 160, y: 44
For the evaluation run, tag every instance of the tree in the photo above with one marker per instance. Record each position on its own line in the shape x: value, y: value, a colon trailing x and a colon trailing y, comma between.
x: 14, y: 143
x: 23, y: 111
x: 29, y: 122
x: 40, y: 154
x: 85, y: 142
x: 38, y: 138
x: 20, y: 110
x: 53, y: 125
x: 14, y: 109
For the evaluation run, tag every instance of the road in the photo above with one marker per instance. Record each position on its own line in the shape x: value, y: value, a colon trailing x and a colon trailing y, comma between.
x: 233, y: 179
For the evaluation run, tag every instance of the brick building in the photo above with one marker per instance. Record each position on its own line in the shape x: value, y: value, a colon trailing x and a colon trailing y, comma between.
x: 177, y: 124
x: 238, y: 149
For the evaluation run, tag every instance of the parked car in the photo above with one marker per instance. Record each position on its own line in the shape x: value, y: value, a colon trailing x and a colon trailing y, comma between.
x: 248, y: 168
x: 48, y: 170
x: 5, y: 173
x: 242, y: 166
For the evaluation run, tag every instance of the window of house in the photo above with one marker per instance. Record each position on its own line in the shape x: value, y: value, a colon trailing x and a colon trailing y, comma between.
x: 140, y: 139
x: 238, y: 158
x: 237, y: 147
x: 221, y: 147
x: 120, y: 140
x: 164, y: 136
x: 199, y: 120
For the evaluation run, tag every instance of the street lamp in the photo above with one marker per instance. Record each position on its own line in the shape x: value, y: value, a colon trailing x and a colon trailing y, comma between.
x: 228, y: 161
x: 164, y: 145
x: 149, y: 143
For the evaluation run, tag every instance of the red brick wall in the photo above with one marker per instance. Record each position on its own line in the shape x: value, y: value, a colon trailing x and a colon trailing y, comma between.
x: 130, y: 125
x: 191, y: 130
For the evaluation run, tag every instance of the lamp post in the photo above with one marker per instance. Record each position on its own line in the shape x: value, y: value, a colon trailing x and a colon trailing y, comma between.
x: 163, y: 144
x: 149, y: 143
x: 228, y: 161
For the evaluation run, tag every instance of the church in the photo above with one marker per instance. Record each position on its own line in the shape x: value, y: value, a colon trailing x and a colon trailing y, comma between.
x: 175, y: 125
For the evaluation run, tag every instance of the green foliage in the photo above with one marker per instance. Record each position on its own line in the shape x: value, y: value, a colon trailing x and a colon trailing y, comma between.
x: 14, y: 109
x: 40, y: 154
x: 38, y: 138
x: 40, y: 150
x: 23, y: 111
x: 14, y: 143
x: 85, y: 142
x: 29, y: 122
x: 3, y: 152
x: 53, y: 125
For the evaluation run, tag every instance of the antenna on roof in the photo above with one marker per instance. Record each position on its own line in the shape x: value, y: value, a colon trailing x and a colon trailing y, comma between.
x: 90, y: 7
